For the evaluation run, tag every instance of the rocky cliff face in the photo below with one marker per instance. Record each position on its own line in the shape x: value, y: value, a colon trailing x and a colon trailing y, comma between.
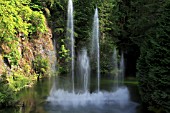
x: 39, y: 44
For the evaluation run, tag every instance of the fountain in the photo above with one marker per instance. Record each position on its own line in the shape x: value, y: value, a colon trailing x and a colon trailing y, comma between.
x: 95, y: 46
x: 84, y: 69
x: 118, y: 73
x: 53, y: 58
x: 115, y: 69
x: 118, y: 97
x: 70, y: 34
x: 83, y: 99
x: 122, y: 70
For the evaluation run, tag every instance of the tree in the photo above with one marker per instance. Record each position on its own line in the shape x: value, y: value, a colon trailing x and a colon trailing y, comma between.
x: 149, y: 21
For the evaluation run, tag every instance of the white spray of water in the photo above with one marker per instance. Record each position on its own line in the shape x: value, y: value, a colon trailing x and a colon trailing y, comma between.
x: 70, y: 34
x: 84, y: 69
x: 95, y: 45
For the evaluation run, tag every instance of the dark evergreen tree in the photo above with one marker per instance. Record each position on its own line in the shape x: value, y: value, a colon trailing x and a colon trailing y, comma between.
x: 150, y: 26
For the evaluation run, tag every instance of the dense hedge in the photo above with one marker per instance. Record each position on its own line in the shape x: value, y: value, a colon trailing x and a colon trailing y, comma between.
x: 153, y: 75
x: 153, y: 64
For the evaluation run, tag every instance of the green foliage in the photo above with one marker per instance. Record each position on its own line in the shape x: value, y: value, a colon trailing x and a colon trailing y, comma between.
x: 64, y: 53
x: 153, y: 65
x: 109, y: 31
x: 17, y: 17
x: 18, y: 81
x: 64, y: 56
x: 15, y: 81
x: 40, y: 65
x: 7, y: 95
x: 56, y: 11
x: 108, y: 18
x: 12, y: 82
x: 63, y: 69
x: 153, y: 75
x: 38, y: 22
x: 106, y: 48
x: 83, y: 19
x: 14, y: 55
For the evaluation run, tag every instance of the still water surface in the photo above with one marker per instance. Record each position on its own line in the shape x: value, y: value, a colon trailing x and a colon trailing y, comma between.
x: 34, y: 99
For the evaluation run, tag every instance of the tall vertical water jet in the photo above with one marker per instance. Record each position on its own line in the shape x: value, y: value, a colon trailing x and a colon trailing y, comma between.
x: 61, y: 97
x: 118, y: 72
x: 84, y: 69
x: 122, y: 69
x: 95, y: 45
x: 53, y: 58
x: 70, y: 34
x: 115, y: 69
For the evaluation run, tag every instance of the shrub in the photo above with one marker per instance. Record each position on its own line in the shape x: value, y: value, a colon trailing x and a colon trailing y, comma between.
x: 40, y: 66
x: 7, y: 95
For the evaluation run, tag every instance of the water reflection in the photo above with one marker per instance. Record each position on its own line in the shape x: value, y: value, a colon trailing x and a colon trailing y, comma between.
x: 91, y: 108
x: 34, y: 100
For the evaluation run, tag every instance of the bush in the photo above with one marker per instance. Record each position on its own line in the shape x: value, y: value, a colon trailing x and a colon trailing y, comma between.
x: 18, y: 81
x: 40, y: 66
x: 153, y: 75
x: 7, y: 95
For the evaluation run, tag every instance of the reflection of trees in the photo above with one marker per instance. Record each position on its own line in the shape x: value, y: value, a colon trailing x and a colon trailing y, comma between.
x: 32, y: 98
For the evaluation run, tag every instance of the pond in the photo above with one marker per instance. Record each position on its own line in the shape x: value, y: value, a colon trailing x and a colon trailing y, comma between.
x: 37, y: 98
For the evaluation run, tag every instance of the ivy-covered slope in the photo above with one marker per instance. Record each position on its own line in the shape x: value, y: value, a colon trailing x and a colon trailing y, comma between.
x: 25, y: 42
